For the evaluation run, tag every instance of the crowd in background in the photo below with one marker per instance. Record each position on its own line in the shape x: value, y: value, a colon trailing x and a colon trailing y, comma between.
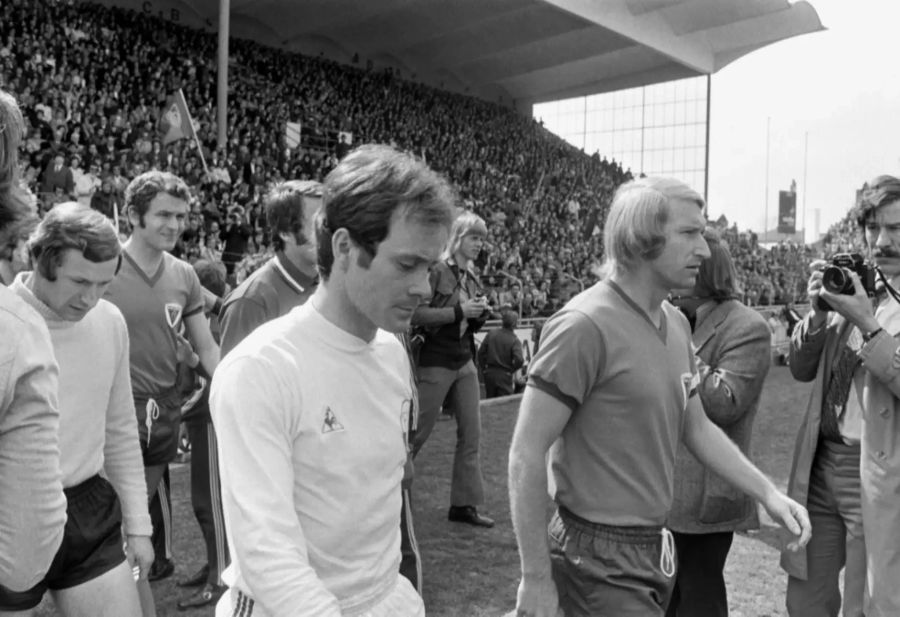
x: 93, y: 80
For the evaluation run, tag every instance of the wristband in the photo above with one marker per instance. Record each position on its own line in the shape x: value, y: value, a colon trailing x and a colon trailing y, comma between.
x: 868, y: 337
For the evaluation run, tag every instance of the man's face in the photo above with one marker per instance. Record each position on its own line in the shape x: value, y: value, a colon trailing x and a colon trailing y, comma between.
x: 679, y: 263
x: 883, y: 238
x: 163, y: 222
x: 79, y: 285
x: 386, y: 293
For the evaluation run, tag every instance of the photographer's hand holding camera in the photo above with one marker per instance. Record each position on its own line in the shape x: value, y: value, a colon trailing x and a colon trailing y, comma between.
x: 847, y: 345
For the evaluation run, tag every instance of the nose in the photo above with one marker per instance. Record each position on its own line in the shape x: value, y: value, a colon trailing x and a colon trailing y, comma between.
x: 421, y: 287
x: 884, y: 238
x: 703, y: 247
x: 91, y: 296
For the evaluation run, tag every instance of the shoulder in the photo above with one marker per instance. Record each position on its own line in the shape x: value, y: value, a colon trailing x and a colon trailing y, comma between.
x: 257, y: 287
x: 19, y: 322
x: 743, y: 318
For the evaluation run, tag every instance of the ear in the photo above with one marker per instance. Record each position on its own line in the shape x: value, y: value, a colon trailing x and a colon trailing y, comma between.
x: 133, y: 217
x: 287, y: 238
x: 342, y: 246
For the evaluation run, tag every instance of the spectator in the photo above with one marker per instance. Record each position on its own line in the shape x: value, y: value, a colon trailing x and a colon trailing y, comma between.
x: 500, y: 356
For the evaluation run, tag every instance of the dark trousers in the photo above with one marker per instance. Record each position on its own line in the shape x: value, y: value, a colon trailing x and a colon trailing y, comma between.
x: 206, y: 495
x: 161, y: 516
x: 700, y: 583
x: 497, y: 382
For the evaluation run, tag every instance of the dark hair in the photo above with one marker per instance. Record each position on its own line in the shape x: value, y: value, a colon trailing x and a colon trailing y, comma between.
x: 509, y: 317
x: 144, y: 188
x: 212, y: 275
x: 880, y: 191
x: 717, y: 278
x: 367, y: 187
x: 67, y: 226
x: 284, y: 208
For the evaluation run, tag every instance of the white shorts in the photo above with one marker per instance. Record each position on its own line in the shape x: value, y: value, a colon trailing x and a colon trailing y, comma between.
x: 403, y: 601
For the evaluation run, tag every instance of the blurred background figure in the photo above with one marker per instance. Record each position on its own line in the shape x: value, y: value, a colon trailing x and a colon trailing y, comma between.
x: 731, y: 343
x: 500, y: 356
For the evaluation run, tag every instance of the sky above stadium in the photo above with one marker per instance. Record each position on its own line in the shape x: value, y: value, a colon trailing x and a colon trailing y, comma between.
x: 840, y: 87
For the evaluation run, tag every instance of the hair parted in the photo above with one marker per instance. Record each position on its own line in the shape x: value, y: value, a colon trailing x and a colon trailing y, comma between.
x: 144, y: 188
x: 463, y: 225
x: 284, y: 208
x: 67, y: 226
x: 365, y: 190
x: 877, y: 192
x: 634, y: 230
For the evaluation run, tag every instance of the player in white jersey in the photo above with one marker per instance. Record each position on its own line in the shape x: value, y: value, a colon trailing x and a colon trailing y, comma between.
x: 77, y: 254
x: 312, y: 409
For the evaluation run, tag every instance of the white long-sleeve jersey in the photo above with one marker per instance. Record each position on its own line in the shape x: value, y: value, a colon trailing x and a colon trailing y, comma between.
x: 312, y: 424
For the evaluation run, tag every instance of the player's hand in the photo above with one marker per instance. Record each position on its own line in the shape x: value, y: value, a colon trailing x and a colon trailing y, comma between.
x: 790, y: 515
x: 537, y: 597
x: 139, y: 550
x: 184, y: 352
x: 473, y: 308
x: 856, y: 308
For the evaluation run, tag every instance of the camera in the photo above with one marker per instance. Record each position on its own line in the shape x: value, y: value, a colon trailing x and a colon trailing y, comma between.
x: 836, y: 276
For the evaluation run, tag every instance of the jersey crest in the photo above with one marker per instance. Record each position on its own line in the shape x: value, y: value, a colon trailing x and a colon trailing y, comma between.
x: 173, y: 315
x: 331, y: 423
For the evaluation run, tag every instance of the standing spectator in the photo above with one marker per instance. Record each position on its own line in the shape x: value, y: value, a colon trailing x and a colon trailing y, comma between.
x: 33, y: 507
x: 731, y: 344
x: 614, y: 386
x: 234, y: 238
x: 500, y: 356
x: 76, y: 254
x: 106, y: 201
x: 446, y: 371
x: 311, y: 486
x: 58, y: 176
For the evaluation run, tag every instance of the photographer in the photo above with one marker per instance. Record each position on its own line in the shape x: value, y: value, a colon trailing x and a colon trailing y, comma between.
x: 847, y: 345
x: 446, y: 370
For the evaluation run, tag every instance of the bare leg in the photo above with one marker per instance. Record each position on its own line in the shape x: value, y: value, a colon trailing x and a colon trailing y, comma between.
x: 111, y: 594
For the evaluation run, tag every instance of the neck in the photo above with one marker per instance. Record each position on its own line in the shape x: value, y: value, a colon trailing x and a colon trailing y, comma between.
x: 330, y: 299
x: 145, y: 256
x: 642, y: 292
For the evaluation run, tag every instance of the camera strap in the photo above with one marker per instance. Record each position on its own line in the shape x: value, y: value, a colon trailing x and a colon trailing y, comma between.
x: 888, y: 287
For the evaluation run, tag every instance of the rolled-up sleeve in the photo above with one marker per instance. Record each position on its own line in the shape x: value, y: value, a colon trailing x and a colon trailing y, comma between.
x: 32, y: 504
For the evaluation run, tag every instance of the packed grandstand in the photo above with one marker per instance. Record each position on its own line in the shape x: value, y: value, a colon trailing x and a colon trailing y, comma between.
x: 92, y: 82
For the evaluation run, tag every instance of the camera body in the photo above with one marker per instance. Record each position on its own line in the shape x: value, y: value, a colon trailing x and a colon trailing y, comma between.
x: 836, y: 275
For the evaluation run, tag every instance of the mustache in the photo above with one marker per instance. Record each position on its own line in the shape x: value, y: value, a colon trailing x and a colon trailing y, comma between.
x: 885, y: 252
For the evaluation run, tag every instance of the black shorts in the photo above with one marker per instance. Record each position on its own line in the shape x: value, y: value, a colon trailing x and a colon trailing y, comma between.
x: 92, y: 544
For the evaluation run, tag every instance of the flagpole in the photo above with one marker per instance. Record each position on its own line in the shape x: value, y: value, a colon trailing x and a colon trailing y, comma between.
x: 193, y: 131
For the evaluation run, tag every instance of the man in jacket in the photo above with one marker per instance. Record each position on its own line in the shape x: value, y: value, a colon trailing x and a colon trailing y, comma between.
x: 732, y: 347
x: 850, y: 348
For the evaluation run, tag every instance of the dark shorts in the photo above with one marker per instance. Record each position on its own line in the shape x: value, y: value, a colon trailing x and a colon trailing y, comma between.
x: 92, y: 544
x: 601, y: 570
x: 158, y: 420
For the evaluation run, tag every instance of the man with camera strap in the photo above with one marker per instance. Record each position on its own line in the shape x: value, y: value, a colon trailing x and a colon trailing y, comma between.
x: 847, y: 344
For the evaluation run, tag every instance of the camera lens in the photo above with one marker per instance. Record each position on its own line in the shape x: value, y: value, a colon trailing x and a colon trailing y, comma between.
x: 837, y: 280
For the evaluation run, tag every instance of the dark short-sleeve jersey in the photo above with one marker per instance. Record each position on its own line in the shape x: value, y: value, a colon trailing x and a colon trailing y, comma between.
x: 154, y: 309
x: 627, y: 383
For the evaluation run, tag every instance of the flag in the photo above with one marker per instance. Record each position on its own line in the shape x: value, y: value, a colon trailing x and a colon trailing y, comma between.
x: 176, y: 122
x: 292, y: 134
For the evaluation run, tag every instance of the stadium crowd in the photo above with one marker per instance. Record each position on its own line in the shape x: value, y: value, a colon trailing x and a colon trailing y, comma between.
x: 92, y: 114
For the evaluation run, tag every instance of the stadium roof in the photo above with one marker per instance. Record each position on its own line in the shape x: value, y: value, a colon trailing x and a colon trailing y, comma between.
x: 517, y: 51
